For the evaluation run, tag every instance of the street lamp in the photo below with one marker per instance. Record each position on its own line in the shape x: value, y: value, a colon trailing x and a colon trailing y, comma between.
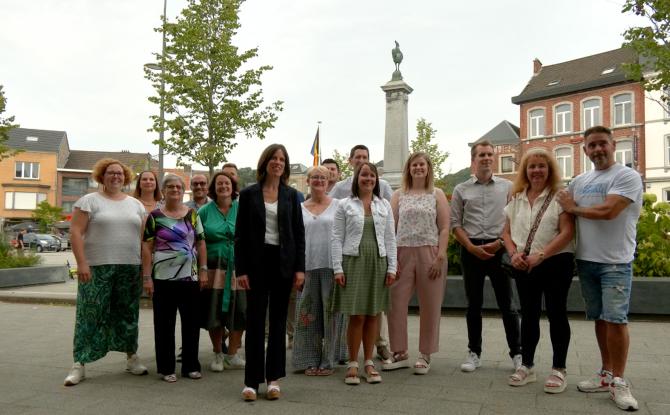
x: 161, y: 116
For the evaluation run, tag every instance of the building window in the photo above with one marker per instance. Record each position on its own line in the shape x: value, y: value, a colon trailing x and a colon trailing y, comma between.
x: 27, y: 170
x: 67, y: 207
x: 666, y: 194
x: 23, y: 200
x: 564, y: 159
x: 536, y: 123
x: 587, y: 164
x: 563, y: 119
x: 591, y: 113
x: 623, y: 109
x: 624, y: 153
x: 506, y: 164
x: 74, y: 186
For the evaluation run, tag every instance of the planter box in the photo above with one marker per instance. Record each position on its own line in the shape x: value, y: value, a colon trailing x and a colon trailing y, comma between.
x: 18, y: 277
x: 648, y: 296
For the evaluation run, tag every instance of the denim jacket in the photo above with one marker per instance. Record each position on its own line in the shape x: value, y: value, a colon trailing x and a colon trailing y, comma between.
x: 348, y: 231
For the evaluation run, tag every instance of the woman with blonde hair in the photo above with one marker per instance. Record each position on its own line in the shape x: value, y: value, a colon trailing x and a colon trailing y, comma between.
x: 106, y: 231
x: 147, y: 190
x: 318, y: 331
x: 538, y: 237
x: 421, y: 215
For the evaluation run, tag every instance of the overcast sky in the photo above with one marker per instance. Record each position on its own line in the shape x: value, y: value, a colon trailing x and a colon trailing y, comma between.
x: 76, y: 65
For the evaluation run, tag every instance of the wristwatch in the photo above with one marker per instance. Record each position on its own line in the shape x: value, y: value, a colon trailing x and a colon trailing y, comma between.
x: 501, y: 242
x: 541, y: 255
x: 203, y: 267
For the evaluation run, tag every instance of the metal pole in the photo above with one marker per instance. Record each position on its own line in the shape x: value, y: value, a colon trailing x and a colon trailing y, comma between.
x: 161, y: 133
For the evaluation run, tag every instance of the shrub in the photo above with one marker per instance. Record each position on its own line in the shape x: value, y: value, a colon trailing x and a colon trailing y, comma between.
x: 652, y: 256
x: 9, y: 258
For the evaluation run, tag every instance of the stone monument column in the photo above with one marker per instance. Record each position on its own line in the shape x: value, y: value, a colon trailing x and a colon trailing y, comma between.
x: 396, y: 145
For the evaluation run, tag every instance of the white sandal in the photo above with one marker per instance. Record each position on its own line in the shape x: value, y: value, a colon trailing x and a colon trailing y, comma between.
x: 373, y: 376
x: 555, y: 386
x: 422, y: 365
x: 522, y: 376
x: 249, y: 394
x: 352, y: 380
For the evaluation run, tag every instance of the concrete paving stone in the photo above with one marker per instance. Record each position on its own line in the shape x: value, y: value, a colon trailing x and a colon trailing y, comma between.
x: 58, y: 400
x: 7, y: 409
x: 658, y: 409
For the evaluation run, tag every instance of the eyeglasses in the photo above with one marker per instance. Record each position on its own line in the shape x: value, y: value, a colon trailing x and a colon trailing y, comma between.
x: 323, y: 178
x: 196, y: 184
x: 173, y: 187
x: 114, y: 173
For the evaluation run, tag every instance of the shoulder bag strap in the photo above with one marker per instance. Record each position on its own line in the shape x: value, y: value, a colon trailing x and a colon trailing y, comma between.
x: 536, y: 224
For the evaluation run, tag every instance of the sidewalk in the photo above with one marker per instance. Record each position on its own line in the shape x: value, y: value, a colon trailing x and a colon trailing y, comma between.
x: 36, y: 355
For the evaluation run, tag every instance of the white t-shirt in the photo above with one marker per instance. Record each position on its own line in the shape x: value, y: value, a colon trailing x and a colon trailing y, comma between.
x: 342, y: 189
x: 607, y: 241
x: 318, y: 231
x: 113, y: 232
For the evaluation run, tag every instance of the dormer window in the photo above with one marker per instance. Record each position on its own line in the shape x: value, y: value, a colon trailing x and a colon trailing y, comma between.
x: 554, y: 82
x: 30, y: 138
x: 607, y: 71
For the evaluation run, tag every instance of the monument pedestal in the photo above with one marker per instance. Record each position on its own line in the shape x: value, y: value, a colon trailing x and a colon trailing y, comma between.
x: 396, y: 147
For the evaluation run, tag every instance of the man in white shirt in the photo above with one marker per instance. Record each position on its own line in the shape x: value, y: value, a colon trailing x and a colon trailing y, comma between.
x: 606, y: 202
x: 358, y: 155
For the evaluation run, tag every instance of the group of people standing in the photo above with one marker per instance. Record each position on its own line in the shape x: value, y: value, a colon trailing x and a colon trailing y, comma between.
x: 356, y: 252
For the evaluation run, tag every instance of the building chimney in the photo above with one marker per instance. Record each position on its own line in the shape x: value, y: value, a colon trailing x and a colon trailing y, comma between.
x: 537, y: 65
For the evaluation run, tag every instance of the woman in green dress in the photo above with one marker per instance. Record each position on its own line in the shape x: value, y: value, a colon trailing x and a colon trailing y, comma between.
x: 364, y: 261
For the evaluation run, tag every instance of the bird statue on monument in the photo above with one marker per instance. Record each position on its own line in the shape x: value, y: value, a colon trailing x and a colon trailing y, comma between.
x: 397, y: 59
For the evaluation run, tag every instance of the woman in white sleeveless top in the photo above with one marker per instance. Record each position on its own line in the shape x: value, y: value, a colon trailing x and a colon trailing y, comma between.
x: 421, y: 215
x: 319, y: 339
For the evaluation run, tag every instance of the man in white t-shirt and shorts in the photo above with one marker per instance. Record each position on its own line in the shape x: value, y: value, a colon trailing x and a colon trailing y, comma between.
x: 606, y: 202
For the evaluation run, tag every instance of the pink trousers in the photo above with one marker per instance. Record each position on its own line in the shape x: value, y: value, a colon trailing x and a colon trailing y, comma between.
x: 413, y: 266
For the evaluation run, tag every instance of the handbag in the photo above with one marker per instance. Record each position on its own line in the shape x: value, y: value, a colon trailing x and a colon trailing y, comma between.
x: 506, y: 260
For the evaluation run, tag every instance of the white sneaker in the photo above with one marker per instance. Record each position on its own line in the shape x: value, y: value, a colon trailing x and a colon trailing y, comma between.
x: 233, y: 362
x: 76, y: 375
x: 620, y: 394
x: 217, y: 363
x: 517, y: 362
x: 599, y: 382
x: 134, y: 366
x: 471, y: 363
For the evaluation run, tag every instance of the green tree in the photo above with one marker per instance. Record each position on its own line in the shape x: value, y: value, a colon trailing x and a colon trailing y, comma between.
x: 652, y: 257
x: 46, y: 215
x: 5, y: 126
x: 424, y: 141
x: 343, y: 161
x: 652, y: 43
x: 211, y: 93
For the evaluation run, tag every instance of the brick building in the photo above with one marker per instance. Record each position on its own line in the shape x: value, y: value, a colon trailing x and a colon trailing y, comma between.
x: 505, y: 140
x: 562, y: 100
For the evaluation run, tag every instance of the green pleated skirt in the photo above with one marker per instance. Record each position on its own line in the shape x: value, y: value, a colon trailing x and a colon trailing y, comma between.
x: 365, y: 291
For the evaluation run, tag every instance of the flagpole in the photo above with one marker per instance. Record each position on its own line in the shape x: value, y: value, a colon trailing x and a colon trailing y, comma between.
x: 318, y: 127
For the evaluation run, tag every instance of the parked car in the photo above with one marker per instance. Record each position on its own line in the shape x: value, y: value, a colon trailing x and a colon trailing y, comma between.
x: 41, y: 242
x: 64, y: 242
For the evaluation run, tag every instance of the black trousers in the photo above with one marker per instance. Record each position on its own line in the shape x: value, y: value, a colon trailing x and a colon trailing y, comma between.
x: 170, y: 296
x: 267, y: 290
x: 475, y: 271
x: 551, y: 279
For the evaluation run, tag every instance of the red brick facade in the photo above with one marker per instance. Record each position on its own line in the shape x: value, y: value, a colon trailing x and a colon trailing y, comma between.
x: 632, y: 132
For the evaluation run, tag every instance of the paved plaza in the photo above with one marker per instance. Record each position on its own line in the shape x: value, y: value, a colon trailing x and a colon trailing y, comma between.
x: 36, y: 353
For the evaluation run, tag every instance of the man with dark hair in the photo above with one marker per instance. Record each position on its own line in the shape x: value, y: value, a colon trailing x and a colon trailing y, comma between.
x: 334, y: 170
x: 477, y: 220
x: 606, y: 202
x: 231, y: 169
x: 358, y: 155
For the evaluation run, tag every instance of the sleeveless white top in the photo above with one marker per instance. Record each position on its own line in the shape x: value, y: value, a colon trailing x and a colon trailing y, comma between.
x: 271, y: 224
x: 318, y: 230
x: 417, y: 220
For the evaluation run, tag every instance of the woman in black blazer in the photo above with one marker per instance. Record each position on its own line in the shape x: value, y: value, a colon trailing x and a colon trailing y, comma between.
x: 269, y: 260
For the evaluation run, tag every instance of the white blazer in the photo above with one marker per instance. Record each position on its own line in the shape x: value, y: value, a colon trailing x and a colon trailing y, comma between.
x: 348, y: 231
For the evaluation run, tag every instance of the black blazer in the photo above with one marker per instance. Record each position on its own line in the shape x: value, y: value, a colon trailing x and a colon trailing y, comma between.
x: 250, y: 233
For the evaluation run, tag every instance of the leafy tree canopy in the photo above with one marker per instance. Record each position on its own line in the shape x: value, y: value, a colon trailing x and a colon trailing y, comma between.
x: 425, y: 142
x: 342, y: 160
x: 6, y: 124
x: 211, y: 93
x: 46, y: 215
x: 652, y: 43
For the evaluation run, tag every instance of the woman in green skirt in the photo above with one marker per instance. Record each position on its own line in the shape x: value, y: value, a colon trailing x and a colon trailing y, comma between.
x: 364, y: 261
